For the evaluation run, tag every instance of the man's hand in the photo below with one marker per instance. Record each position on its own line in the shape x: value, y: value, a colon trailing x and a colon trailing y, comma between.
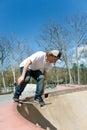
x: 20, y: 79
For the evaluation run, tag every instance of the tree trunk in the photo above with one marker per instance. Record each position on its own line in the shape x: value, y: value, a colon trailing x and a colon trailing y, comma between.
x: 70, y: 77
x: 13, y: 72
x: 3, y: 79
x: 77, y: 60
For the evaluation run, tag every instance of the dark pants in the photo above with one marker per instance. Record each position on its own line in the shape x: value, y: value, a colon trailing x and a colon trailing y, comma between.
x: 38, y: 76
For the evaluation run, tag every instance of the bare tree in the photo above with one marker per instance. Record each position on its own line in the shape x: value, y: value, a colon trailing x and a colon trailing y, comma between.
x: 18, y: 50
x: 55, y: 36
x: 3, y: 55
x: 78, y: 29
x: 11, y: 58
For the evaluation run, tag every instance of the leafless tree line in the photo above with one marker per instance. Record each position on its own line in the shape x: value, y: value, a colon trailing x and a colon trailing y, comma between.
x: 68, y: 37
x: 12, y: 52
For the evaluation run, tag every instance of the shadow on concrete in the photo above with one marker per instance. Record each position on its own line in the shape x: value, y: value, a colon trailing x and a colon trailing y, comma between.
x: 32, y: 114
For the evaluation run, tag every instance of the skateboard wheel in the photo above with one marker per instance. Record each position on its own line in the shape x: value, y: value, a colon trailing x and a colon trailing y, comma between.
x: 46, y: 95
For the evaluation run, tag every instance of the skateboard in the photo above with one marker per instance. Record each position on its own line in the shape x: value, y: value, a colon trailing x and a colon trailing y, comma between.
x: 24, y: 101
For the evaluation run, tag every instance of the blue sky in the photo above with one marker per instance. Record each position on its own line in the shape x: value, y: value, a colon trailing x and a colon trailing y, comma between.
x: 26, y: 17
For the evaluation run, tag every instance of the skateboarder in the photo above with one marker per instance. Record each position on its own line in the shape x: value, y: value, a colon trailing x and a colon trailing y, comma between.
x: 37, y: 65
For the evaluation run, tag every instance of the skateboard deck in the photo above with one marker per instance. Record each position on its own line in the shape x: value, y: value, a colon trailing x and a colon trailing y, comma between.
x: 26, y: 101
x: 20, y: 101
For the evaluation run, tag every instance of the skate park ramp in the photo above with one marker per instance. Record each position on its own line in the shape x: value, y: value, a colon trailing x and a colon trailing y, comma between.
x: 67, y: 111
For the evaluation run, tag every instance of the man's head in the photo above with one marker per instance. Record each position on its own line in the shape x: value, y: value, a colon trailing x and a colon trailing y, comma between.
x: 56, y: 53
x: 53, y: 56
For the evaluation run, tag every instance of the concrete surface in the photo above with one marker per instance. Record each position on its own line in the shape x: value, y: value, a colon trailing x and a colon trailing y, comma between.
x: 67, y: 111
x: 10, y: 119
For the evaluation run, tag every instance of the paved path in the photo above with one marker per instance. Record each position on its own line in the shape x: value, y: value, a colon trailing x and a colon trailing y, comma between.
x: 5, y: 98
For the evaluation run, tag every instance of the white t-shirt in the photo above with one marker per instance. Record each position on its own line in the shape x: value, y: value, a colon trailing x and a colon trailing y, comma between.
x: 38, y: 62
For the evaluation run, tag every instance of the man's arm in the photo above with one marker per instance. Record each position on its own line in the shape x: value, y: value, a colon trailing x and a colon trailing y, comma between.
x: 21, y: 78
x: 45, y: 75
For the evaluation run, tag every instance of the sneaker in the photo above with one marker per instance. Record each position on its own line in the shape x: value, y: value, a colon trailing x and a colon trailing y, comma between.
x: 39, y: 100
x: 16, y: 97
